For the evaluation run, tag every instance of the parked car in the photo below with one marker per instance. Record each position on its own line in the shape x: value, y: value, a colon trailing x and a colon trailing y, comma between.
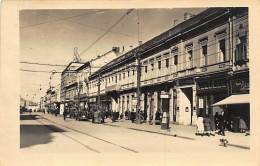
x: 81, y: 115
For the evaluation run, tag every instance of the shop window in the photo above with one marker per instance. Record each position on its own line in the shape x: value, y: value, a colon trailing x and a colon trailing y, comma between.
x: 222, y: 50
x: 166, y: 63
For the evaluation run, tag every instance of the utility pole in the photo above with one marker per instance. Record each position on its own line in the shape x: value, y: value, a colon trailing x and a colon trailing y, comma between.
x: 98, y: 103
x: 138, y: 92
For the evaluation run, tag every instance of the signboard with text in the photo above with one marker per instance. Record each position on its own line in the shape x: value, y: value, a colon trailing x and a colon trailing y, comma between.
x: 239, y: 86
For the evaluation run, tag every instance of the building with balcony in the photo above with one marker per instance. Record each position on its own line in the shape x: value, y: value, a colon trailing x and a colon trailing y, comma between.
x: 199, y: 62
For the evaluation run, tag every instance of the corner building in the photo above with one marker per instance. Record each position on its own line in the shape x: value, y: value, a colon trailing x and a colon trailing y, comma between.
x: 195, y: 64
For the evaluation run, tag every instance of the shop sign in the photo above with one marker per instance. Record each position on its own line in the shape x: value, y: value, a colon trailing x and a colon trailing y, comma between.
x: 240, y: 86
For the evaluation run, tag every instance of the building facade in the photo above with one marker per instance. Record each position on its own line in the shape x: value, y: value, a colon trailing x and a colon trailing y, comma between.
x: 197, y: 63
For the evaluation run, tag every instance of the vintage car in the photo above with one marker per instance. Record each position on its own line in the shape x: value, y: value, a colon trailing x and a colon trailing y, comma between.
x: 81, y: 115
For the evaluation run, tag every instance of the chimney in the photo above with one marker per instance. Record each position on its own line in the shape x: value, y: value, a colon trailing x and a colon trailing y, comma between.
x: 116, y: 49
x: 188, y: 16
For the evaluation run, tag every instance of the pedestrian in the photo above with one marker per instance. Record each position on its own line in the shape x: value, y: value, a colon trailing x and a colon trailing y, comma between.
x: 126, y: 114
x: 206, y: 122
x: 65, y: 113
x: 200, y: 126
x: 212, y: 125
x: 158, y: 117
x: 242, y: 125
x: 145, y: 115
x: 217, y: 121
x: 132, y: 116
x: 141, y: 116
x: 221, y: 119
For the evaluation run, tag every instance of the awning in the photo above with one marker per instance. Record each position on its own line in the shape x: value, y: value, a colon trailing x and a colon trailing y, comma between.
x: 234, y: 99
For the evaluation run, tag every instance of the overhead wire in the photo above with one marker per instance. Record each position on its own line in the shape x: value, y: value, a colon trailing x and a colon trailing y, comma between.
x: 92, y: 27
x: 61, y: 19
x: 108, y: 30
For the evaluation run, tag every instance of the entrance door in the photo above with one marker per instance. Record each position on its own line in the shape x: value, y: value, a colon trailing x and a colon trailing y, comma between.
x: 186, y: 104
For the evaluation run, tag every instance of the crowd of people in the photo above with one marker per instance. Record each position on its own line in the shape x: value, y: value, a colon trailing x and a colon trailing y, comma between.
x: 217, y: 124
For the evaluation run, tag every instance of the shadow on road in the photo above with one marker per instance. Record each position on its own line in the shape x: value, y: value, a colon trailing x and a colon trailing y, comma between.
x: 36, y: 134
x: 29, y: 117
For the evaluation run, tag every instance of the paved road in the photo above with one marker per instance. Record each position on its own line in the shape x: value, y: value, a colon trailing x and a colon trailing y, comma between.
x: 45, y: 133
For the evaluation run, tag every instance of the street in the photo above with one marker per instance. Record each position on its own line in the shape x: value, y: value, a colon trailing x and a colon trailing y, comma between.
x: 46, y: 133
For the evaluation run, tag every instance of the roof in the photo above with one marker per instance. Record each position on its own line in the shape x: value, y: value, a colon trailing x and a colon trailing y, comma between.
x: 73, y: 66
x: 180, y: 29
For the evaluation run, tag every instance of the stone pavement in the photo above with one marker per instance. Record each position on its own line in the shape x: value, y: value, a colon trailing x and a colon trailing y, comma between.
x: 238, y: 140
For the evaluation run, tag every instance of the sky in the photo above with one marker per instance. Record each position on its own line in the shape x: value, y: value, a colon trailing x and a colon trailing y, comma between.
x: 50, y: 36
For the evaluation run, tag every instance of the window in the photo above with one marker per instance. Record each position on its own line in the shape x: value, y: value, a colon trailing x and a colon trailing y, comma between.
x: 112, y: 79
x: 106, y: 83
x: 133, y: 72
x: 152, y: 66
x: 159, y: 65
x: 145, y: 69
x: 116, y: 79
x: 176, y: 60
x: 190, y: 57
x: 241, y: 50
x: 222, y: 50
x: 119, y: 76
x: 167, y: 63
x: 205, y: 55
x: 128, y: 73
x: 109, y: 80
x: 123, y: 75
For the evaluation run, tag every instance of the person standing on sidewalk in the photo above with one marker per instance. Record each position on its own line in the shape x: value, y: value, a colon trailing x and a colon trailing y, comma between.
x: 221, y: 120
x: 65, y: 113
x: 212, y: 125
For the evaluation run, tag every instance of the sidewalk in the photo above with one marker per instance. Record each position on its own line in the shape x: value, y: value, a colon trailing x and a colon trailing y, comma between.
x: 238, y: 140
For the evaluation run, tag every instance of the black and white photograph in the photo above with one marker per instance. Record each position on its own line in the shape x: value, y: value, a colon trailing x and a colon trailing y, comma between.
x: 134, y: 81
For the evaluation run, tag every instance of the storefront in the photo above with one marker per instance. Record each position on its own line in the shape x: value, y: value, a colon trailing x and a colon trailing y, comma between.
x: 237, y: 105
x: 210, y: 90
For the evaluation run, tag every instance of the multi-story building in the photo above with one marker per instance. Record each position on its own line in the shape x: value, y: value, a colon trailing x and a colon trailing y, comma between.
x: 85, y: 71
x: 69, y: 86
x: 195, y: 64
